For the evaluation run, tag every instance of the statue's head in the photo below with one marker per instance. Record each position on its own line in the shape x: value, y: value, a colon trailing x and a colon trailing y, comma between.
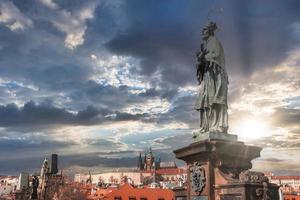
x: 46, y: 161
x: 209, y: 30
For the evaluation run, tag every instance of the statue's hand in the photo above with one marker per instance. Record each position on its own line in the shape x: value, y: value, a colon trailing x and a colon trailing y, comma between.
x: 205, y: 52
x: 201, y: 55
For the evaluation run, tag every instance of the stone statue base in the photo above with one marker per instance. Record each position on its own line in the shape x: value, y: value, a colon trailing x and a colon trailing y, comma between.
x: 197, y: 136
x: 218, y: 170
x: 247, y: 191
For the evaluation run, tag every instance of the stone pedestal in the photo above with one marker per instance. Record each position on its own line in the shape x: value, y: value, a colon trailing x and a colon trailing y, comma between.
x: 218, y: 167
x: 21, y: 194
x: 247, y: 191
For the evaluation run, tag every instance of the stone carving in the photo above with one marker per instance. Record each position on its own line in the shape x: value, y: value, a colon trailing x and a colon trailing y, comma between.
x: 198, y: 178
x: 253, y: 177
x: 257, y: 177
x: 264, y: 193
x: 213, y: 83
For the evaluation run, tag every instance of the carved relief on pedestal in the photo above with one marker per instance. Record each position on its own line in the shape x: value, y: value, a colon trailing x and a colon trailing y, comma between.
x: 257, y: 177
x: 264, y: 193
x: 228, y: 170
x: 197, y: 177
x: 230, y: 174
x: 253, y: 177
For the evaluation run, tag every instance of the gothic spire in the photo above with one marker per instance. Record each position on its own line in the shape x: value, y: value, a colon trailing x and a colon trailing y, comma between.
x: 140, y: 162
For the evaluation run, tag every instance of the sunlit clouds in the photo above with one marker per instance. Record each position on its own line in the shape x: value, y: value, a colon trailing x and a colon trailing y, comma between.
x: 119, y: 71
x: 260, y: 114
x: 253, y: 129
x: 99, y: 81
x: 12, y: 17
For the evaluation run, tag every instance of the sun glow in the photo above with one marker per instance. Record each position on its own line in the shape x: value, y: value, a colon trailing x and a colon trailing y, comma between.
x: 253, y: 129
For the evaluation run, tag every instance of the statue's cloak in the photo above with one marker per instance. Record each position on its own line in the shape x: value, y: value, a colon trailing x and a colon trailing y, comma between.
x: 213, y: 88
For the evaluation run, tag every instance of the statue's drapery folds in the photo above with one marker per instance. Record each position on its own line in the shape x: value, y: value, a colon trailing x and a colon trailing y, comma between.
x: 213, y: 84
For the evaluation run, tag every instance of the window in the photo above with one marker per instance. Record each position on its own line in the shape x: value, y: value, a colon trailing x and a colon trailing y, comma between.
x: 118, y: 198
x: 132, y: 198
x: 161, y: 199
x: 143, y: 198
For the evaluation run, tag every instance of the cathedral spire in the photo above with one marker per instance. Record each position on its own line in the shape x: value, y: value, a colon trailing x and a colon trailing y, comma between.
x: 140, y: 162
x: 145, y: 161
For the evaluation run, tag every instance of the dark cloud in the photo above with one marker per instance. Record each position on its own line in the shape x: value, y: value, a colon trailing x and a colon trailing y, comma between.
x: 94, y: 160
x: 178, y: 141
x: 266, y: 142
x: 89, y: 161
x: 8, y: 145
x: 113, y: 97
x: 32, y: 114
x: 23, y: 147
x: 278, y: 167
x: 297, y: 145
x: 286, y: 117
x: 108, y: 96
x: 167, y: 93
x: 104, y: 143
x: 166, y: 37
x: 15, y: 166
x: 127, y: 117
x: 182, y: 110
x: 275, y: 160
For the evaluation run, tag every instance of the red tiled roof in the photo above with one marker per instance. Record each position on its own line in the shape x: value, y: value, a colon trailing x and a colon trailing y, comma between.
x: 104, y: 192
x: 291, y: 197
x: 126, y: 191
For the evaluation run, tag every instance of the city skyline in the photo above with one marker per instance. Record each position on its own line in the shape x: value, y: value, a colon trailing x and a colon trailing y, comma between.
x: 99, y: 81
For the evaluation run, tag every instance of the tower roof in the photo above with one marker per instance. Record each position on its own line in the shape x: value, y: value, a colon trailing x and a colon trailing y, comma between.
x: 140, y: 164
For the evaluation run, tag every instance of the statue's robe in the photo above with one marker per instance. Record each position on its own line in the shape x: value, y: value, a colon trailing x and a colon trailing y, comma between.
x: 212, y: 97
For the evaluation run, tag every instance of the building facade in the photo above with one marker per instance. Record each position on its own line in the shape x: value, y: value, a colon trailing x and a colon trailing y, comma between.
x: 289, y: 184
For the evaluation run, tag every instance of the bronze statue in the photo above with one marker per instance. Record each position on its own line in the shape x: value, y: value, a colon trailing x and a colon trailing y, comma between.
x: 213, y: 83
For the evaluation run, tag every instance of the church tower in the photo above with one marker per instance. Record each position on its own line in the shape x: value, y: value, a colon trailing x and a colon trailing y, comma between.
x: 149, y: 160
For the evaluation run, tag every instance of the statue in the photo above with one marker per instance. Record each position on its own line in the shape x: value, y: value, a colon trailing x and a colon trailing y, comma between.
x: 35, y: 185
x: 45, y: 168
x: 216, y: 160
x: 44, y: 179
x: 89, y: 180
x: 213, y: 83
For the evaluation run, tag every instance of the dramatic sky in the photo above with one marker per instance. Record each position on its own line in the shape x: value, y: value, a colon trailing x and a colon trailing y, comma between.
x: 97, y: 81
